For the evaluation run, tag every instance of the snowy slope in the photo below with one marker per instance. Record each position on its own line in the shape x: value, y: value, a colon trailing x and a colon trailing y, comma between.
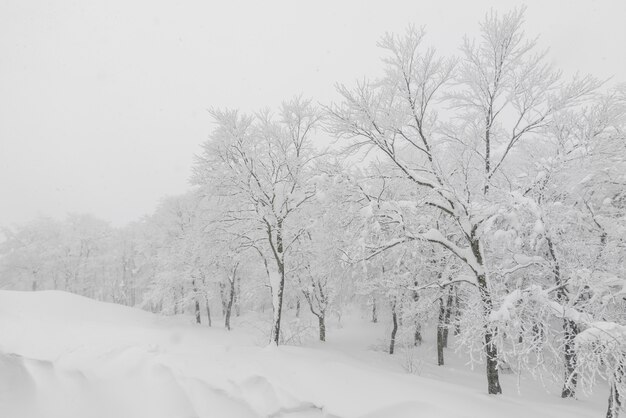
x: 66, y: 356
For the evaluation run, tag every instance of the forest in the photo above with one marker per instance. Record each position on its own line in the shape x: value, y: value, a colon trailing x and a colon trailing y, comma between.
x: 474, y: 203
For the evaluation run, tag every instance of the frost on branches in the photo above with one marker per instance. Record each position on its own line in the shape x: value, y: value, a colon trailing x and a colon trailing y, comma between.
x: 481, y: 145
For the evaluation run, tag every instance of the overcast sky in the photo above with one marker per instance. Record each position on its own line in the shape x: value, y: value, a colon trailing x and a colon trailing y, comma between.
x: 103, y: 103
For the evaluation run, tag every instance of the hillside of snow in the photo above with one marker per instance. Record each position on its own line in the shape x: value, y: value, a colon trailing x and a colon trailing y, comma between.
x: 65, y: 356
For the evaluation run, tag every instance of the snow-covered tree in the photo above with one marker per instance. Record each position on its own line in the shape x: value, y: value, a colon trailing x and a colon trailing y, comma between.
x: 28, y: 255
x: 261, y: 164
x: 453, y: 128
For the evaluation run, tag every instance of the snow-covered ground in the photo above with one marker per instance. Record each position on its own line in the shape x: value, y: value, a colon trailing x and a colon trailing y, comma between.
x: 65, y: 356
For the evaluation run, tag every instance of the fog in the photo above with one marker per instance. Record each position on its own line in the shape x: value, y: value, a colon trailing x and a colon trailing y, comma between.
x: 104, y: 103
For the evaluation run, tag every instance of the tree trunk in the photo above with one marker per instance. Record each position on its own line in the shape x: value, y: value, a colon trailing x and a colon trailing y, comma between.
x: 394, y: 330
x: 208, y: 308
x: 278, y: 308
x: 447, y: 316
x: 615, y: 403
x: 571, y: 377
x: 457, y: 313
x: 297, y: 307
x: 491, y: 351
x: 197, y: 302
x: 229, y: 305
x: 322, y: 325
x: 198, y: 321
x: 417, y: 336
x: 570, y: 330
x: 277, y: 299
x: 223, y: 298
x: 238, y: 298
x: 493, y: 380
x: 440, y: 332
x: 374, y: 313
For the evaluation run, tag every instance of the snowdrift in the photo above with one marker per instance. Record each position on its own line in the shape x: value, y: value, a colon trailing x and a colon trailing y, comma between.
x: 66, y: 356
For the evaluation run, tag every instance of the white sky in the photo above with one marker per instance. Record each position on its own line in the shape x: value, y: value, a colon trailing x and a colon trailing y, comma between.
x: 103, y: 103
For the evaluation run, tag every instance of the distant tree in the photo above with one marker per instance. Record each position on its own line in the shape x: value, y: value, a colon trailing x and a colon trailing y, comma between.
x: 28, y: 255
